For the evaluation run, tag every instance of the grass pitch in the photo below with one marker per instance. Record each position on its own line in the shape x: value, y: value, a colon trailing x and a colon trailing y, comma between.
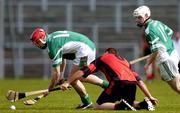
x: 65, y: 102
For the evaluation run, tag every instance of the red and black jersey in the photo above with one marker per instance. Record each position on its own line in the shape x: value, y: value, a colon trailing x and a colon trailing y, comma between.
x: 115, y: 68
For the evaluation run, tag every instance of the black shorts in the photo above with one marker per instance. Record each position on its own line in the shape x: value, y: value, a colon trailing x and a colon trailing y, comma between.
x: 117, y: 91
x: 69, y: 56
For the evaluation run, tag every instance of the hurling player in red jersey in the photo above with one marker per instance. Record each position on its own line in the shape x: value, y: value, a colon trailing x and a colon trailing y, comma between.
x: 122, y: 79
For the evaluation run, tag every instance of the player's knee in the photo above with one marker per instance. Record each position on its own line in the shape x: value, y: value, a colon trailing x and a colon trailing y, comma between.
x: 175, y: 84
x: 178, y: 87
x: 97, y: 106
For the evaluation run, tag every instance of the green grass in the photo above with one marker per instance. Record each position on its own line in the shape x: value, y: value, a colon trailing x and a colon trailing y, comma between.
x: 65, y: 102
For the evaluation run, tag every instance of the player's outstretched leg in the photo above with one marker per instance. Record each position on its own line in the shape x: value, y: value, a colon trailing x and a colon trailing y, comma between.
x: 80, y: 89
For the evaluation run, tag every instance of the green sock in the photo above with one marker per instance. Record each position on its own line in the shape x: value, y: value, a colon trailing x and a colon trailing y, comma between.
x: 105, y: 84
x: 86, y: 99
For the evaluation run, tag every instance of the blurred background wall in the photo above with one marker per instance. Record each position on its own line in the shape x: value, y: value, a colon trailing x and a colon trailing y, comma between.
x: 109, y: 23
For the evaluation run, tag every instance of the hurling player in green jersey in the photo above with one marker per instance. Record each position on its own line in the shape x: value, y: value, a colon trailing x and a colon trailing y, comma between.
x: 73, y: 46
x: 158, y: 36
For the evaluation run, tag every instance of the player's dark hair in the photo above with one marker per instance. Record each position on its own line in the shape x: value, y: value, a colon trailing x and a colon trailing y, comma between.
x: 112, y: 50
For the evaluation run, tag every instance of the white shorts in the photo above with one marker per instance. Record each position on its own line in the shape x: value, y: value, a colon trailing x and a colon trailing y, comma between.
x: 169, y: 67
x: 89, y: 53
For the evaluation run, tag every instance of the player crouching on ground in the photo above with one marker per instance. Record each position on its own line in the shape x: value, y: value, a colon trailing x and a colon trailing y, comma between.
x: 122, y: 80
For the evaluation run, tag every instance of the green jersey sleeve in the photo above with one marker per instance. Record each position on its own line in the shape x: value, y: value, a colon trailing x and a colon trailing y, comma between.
x: 152, y: 41
x: 56, y: 57
x: 159, y: 37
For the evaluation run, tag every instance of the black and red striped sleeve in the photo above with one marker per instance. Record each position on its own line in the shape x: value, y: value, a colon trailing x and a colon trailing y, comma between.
x: 138, y: 78
x: 91, y: 68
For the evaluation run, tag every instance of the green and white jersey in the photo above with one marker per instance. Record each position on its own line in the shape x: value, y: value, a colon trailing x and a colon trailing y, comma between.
x: 158, y: 36
x: 62, y: 42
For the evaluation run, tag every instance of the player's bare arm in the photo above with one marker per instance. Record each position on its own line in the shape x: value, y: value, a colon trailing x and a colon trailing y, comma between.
x: 151, y: 59
x: 146, y: 92
x: 62, y: 69
x: 55, y: 76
